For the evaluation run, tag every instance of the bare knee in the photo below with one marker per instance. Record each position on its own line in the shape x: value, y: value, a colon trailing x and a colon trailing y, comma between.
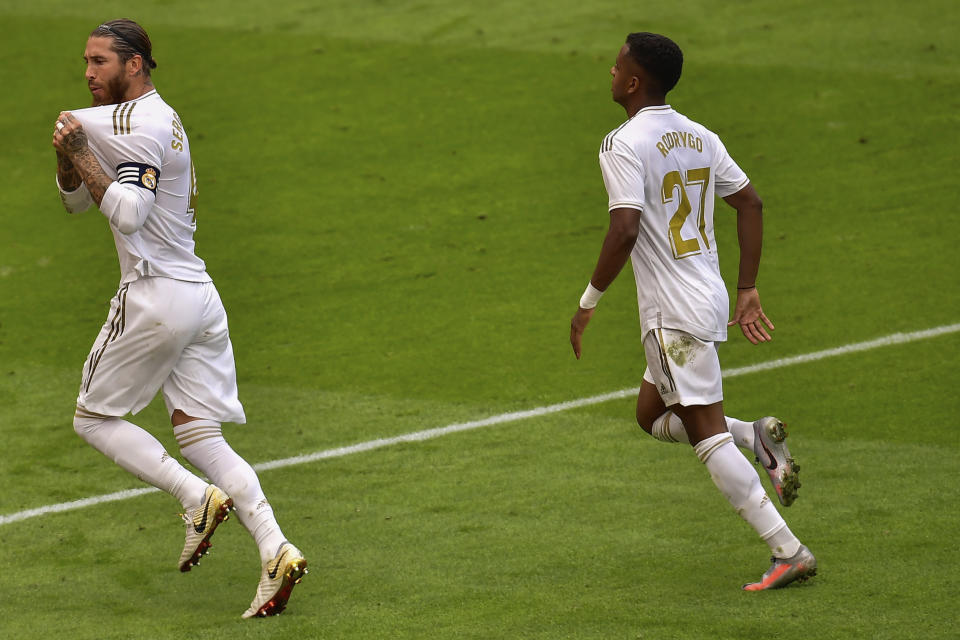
x: 644, y: 420
x: 178, y: 418
x: 701, y: 421
x: 649, y: 406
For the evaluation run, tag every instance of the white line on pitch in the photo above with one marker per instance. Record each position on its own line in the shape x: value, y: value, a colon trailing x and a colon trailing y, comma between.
x: 428, y: 434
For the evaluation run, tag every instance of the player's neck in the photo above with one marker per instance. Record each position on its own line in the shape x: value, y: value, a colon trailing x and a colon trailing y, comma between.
x: 635, y: 106
x: 138, y: 89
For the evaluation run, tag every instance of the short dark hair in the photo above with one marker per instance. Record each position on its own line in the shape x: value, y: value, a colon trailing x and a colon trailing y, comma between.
x: 128, y: 39
x: 659, y: 56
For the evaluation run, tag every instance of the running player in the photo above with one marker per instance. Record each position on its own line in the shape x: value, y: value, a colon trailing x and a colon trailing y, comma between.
x: 662, y: 171
x: 166, y: 328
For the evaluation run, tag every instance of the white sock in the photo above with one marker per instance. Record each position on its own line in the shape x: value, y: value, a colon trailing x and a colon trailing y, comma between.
x: 740, y: 484
x: 742, y: 433
x: 202, y: 444
x: 141, y: 454
x: 669, y: 428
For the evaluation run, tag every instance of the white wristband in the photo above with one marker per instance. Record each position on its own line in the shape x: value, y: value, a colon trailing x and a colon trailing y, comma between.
x: 77, y: 200
x: 590, y: 297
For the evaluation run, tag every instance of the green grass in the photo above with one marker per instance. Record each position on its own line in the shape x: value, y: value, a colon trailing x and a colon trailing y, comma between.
x: 400, y: 204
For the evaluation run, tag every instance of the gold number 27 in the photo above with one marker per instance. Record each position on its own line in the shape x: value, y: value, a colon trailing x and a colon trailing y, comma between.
x: 684, y: 248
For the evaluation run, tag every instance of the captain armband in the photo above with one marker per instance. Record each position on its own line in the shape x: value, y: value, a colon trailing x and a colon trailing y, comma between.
x: 138, y: 174
x: 129, y: 198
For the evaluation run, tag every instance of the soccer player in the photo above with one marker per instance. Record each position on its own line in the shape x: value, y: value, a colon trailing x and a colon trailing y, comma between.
x: 661, y: 171
x: 166, y: 328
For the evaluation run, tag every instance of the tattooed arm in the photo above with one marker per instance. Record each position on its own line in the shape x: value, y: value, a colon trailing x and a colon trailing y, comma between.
x: 124, y: 206
x: 75, y: 161
x: 73, y: 193
x: 67, y: 176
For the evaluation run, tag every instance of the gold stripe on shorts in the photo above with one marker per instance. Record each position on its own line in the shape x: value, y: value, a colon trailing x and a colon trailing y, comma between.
x: 117, y: 325
x: 664, y: 363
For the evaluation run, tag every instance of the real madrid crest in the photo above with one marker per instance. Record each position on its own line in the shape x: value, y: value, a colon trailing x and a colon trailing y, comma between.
x: 149, y: 178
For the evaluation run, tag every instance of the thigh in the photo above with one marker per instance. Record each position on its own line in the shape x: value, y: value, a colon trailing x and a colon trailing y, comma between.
x: 684, y: 369
x: 203, y: 383
x: 650, y: 405
x: 139, y: 344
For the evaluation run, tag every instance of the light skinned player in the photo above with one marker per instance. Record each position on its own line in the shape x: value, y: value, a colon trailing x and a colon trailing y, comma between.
x: 166, y: 329
x: 662, y: 172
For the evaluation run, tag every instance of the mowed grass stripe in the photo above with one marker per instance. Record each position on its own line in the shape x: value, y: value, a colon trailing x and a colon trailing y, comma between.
x: 515, y: 416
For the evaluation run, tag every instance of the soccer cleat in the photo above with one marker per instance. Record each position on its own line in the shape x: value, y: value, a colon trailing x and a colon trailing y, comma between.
x: 772, y: 453
x: 280, y: 574
x: 799, y: 568
x: 201, y: 523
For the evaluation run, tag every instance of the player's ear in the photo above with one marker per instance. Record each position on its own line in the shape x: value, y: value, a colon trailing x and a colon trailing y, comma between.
x: 134, y: 65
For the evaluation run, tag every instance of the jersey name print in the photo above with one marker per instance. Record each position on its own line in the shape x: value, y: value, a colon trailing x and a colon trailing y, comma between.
x: 669, y: 169
x: 672, y: 139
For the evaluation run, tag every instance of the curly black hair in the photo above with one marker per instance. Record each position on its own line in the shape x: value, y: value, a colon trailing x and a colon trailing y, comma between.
x: 659, y: 56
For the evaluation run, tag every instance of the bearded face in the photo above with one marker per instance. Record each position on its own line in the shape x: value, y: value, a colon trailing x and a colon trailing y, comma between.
x: 106, y: 75
x: 115, y: 90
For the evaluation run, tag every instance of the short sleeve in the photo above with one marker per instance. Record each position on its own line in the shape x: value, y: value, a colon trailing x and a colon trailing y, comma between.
x: 126, y: 141
x: 729, y: 177
x: 139, y: 156
x: 623, y: 176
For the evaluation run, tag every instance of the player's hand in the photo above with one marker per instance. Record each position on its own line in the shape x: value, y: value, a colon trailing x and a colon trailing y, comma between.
x: 577, y: 326
x: 68, y: 134
x: 749, y: 315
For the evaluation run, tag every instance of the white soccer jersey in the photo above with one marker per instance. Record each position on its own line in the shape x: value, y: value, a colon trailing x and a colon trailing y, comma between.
x: 669, y: 168
x: 142, y: 143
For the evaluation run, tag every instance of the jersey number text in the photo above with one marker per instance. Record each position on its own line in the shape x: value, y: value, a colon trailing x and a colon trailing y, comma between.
x: 673, y: 181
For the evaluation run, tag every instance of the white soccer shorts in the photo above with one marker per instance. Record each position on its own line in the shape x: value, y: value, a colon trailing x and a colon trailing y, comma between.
x: 683, y: 368
x: 164, y: 334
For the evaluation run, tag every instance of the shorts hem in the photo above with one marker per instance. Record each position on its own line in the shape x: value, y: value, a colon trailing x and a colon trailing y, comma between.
x: 696, y: 401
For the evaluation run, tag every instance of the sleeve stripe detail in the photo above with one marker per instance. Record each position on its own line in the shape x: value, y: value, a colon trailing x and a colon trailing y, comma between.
x: 625, y: 205
x: 115, y: 130
x: 608, y: 141
x: 740, y: 185
x: 119, y: 126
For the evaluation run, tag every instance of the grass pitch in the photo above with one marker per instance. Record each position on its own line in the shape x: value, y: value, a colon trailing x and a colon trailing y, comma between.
x: 400, y: 204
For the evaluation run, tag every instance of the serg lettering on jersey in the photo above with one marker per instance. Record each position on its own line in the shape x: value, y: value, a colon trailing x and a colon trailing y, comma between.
x: 177, y: 143
x: 676, y: 139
